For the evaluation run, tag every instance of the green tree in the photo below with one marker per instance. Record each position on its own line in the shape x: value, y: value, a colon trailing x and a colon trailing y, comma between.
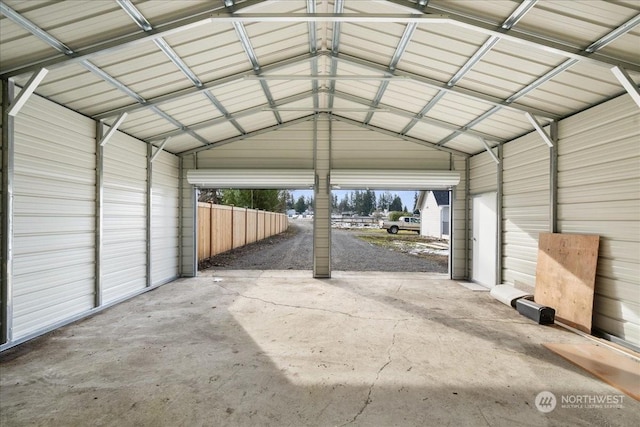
x: 269, y: 200
x: 396, y: 204
x: 301, y: 205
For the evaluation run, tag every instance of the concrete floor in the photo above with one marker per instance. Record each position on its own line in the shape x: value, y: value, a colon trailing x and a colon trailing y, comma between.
x: 278, y: 348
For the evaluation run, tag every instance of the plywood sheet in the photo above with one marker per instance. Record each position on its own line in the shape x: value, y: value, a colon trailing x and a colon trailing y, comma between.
x: 614, y: 368
x: 565, y: 276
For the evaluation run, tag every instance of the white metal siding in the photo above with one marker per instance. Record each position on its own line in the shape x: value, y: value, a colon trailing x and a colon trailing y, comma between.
x: 483, y: 174
x: 54, y: 221
x: 459, y: 249
x: 288, y: 148
x: 124, y: 251
x: 525, y: 206
x: 164, y: 218
x: 599, y: 193
x: 356, y: 148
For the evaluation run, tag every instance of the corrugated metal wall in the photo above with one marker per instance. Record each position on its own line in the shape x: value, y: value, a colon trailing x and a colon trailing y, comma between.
x: 63, y: 219
x: 357, y: 148
x: 54, y: 221
x: 599, y: 193
x: 124, y: 254
x: 164, y: 219
x: 526, y: 210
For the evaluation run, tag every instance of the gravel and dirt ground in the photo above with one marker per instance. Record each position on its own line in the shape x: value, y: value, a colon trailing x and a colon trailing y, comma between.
x: 351, y: 250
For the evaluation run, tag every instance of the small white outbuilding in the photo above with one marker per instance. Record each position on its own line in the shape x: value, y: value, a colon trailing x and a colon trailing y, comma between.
x: 434, y: 213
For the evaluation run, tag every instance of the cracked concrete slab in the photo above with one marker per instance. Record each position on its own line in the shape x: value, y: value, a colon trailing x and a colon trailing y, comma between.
x: 278, y: 348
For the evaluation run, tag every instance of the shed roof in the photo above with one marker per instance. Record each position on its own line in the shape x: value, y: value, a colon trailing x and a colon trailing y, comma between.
x: 459, y: 76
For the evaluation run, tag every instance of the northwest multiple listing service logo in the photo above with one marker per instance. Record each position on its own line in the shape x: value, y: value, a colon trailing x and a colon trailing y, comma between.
x: 546, y: 401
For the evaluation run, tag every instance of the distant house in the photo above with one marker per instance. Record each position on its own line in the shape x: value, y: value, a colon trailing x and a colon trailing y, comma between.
x: 434, y: 213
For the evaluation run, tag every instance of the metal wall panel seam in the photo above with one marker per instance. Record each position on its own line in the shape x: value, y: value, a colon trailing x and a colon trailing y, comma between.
x: 553, y: 179
x: 99, y: 212
x: 499, y: 235
x: 149, y: 209
x: 8, y: 137
x: 194, y: 233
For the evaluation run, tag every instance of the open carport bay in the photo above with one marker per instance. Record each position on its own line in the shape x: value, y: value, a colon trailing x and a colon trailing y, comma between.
x: 255, y: 348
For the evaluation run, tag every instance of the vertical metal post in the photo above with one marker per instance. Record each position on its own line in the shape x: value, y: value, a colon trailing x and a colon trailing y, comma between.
x: 8, y: 142
x: 149, y: 212
x: 499, y: 216
x: 180, y: 214
x: 467, y: 216
x: 553, y: 179
x: 99, y: 232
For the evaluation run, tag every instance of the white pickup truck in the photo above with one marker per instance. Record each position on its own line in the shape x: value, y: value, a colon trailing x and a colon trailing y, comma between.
x: 404, y: 223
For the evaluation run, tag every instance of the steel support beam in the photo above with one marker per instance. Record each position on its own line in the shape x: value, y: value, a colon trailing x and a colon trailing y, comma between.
x: 627, y: 83
x: 553, y: 179
x: 499, y: 194
x: 206, y: 86
x: 26, y: 92
x: 432, y: 83
x: 160, y: 148
x: 112, y: 130
x: 148, y: 216
x: 99, y: 220
x: 8, y: 145
x: 540, y: 129
x: 490, y: 151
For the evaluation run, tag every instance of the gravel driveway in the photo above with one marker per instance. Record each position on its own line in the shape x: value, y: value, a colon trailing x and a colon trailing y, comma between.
x: 293, y: 250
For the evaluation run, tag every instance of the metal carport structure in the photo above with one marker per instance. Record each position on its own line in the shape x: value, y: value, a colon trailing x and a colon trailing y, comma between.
x: 536, y: 101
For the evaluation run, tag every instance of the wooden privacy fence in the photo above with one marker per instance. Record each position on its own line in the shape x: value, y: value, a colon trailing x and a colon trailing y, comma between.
x: 222, y: 228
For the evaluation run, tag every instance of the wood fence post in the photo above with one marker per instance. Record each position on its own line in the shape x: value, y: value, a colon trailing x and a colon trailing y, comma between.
x: 232, y: 230
x: 246, y: 225
x: 210, y: 230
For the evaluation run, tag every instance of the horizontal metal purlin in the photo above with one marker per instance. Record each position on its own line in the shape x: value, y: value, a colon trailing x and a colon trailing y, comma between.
x: 111, y: 80
x: 181, y: 94
x: 253, y: 58
x: 313, y: 48
x: 173, y: 56
x: 478, y: 96
x: 423, y: 112
x: 409, y: 114
x: 224, y: 111
x: 515, y: 16
x: 541, y: 80
x: 452, y: 18
x: 135, y: 14
x: 469, y: 125
x: 34, y: 29
x: 236, y: 115
x: 245, y: 136
x: 615, y: 34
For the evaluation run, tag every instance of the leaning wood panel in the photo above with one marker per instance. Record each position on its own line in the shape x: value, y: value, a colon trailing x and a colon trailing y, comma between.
x: 565, y: 276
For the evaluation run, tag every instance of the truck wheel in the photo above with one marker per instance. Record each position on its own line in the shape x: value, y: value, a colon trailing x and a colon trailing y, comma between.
x: 393, y: 230
x: 388, y: 231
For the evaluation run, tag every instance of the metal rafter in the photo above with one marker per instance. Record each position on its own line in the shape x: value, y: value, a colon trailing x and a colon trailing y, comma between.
x: 515, y: 16
x: 206, y: 86
x: 216, y: 15
x: 393, y: 64
x: 436, y: 84
x: 54, y: 43
x: 237, y: 115
x: 253, y: 58
x: 145, y: 25
x: 313, y: 49
x: 408, y: 114
x: 338, y: 7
